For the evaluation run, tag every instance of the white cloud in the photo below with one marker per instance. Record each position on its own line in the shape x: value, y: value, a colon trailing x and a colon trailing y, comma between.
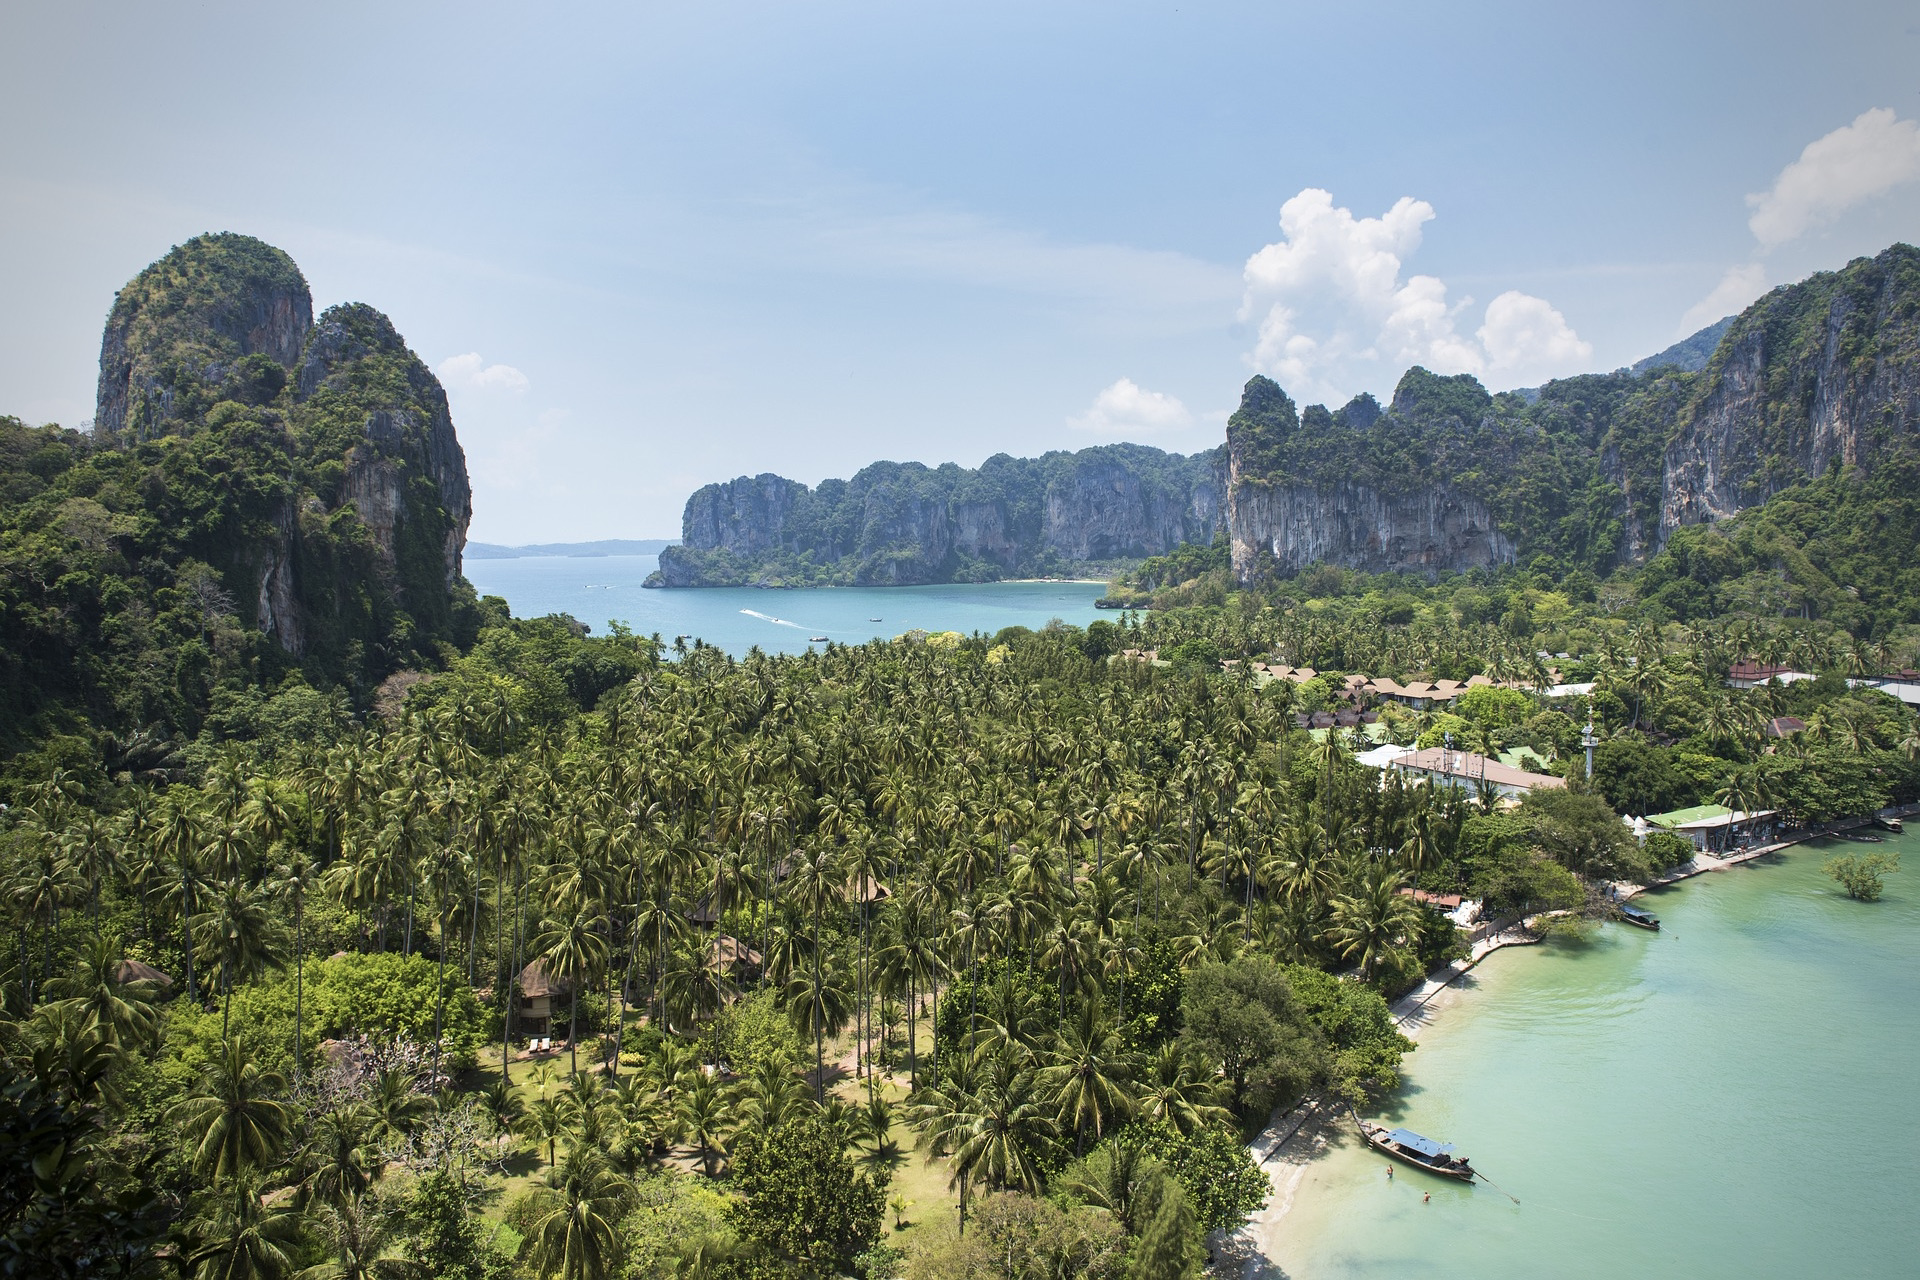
x: 1126, y: 408
x: 1854, y: 163
x: 1736, y: 289
x: 1335, y: 314
x: 1522, y: 334
x: 471, y: 372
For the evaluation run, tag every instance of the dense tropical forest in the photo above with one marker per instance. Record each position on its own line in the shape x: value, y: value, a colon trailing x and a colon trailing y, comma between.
x: 1015, y: 929
x: 355, y: 928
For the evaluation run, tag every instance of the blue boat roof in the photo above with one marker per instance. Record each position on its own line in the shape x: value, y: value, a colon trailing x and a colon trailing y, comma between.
x: 1414, y: 1142
x: 1636, y: 912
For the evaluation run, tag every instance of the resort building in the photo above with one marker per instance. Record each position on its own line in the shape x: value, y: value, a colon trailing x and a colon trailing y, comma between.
x: 1470, y: 769
x: 1751, y: 675
x: 1781, y: 726
x: 1710, y: 826
x: 1904, y: 685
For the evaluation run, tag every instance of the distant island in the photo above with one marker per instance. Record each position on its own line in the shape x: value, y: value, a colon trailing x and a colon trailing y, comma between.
x: 572, y: 550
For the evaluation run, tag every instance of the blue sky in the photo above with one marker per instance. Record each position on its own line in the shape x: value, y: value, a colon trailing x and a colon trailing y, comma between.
x: 653, y: 246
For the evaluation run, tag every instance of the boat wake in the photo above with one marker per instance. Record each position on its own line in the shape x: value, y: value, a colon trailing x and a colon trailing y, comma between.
x: 767, y: 617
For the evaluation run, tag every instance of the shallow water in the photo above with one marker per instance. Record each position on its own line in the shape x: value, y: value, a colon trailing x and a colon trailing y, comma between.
x: 601, y: 589
x: 1737, y: 1095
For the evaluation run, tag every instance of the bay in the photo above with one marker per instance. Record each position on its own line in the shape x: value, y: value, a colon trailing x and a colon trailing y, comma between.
x: 602, y: 589
x: 1734, y: 1095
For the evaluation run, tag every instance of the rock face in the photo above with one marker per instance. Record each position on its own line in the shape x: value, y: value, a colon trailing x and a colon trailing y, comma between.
x: 1593, y: 471
x: 1822, y: 373
x: 1288, y: 508
x: 352, y: 544
x: 178, y: 332
x: 903, y: 523
x: 1425, y: 532
x: 1597, y: 470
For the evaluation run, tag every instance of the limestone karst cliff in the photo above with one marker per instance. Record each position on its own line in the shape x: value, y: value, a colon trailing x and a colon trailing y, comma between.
x: 903, y: 523
x: 263, y: 496
x: 1595, y: 471
x: 219, y: 334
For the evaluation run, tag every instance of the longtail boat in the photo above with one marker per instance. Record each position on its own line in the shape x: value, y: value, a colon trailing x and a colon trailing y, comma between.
x: 1422, y: 1153
x: 1639, y: 919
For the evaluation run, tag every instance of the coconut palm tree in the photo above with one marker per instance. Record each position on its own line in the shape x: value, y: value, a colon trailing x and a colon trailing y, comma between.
x: 238, y: 934
x: 701, y: 1110
x: 1370, y: 925
x: 1010, y: 1130
x: 243, y: 1238
x: 346, y: 1162
x: 1088, y: 1076
x: 574, y: 951
x: 544, y: 1121
x: 123, y: 1013
x: 576, y: 1228
x: 232, y: 1120
x: 363, y: 1243
x: 1174, y: 1093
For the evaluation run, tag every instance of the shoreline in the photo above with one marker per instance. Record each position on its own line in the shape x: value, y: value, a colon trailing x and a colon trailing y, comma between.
x: 1294, y: 1139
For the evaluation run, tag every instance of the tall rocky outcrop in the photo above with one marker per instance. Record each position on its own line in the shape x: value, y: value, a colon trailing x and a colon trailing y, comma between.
x: 1596, y: 470
x: 1283, y: 517
x: 903, y: 523
x: 1824, y: 373
x: 343, y: 530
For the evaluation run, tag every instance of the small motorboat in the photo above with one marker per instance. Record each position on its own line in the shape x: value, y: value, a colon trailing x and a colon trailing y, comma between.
x: 1424, y: 1153
x: 1889, y: 824
x: 1861, y: 837
x: 1639, y: 919
x: 816, y: 639
x: 876, y: 619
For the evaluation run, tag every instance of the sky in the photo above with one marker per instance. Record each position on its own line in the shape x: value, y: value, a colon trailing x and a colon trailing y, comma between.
x: 648, y: 246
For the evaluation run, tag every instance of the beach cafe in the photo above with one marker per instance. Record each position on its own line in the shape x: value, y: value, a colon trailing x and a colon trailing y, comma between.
x: 1710, y: 826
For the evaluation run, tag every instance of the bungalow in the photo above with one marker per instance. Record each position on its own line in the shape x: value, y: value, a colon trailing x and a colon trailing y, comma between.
x: 728, y: 955
x: 1782, y: 726
x: 538, y: 992
x: 1469, y: 769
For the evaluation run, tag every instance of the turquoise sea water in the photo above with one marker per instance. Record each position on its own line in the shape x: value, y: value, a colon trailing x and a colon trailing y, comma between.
x: 602, y: 589
x: 1737, y: 1095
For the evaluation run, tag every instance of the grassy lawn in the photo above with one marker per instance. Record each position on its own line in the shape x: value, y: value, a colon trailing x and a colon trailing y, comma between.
x: 918, y: 1179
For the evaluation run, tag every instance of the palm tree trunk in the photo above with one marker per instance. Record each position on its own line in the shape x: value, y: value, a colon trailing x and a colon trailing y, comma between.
x: 573, y: 1033
x: 186, y: 930
x: 440, y: 1006
x: 299, y: 982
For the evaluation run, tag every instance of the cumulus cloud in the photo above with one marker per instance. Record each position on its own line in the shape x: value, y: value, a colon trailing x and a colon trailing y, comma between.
x: 1834, y: 173
x: 1126, y: 408
x: 1847, y: 167
x: 1736, y: 289
x: 471, y: 372
x: 1335, y: 313
x: 1524, y: 332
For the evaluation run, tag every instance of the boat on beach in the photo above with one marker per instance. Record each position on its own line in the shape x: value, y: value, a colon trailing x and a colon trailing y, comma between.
x: 1410, y: 1147
x: 1639, y: 919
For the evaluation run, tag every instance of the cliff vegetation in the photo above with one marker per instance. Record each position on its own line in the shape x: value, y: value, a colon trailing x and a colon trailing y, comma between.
x: 900, y: 523
x: 265, y: 503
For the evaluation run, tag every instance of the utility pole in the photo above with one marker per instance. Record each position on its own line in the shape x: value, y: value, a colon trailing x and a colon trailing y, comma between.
x: 1587, y: 739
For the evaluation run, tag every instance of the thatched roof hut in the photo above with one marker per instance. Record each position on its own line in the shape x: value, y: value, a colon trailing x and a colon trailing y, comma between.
x: 536, y: 982
x: 866, y: 889
x: 728, y: 952
x: 139, y: 971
